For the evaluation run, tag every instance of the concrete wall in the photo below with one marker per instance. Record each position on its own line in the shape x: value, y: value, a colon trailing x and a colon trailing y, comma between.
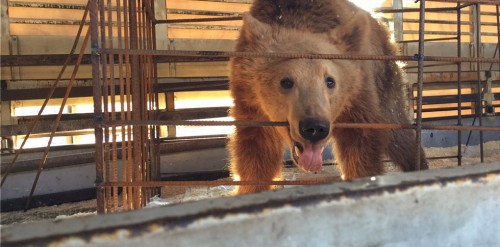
x: 450, y: 207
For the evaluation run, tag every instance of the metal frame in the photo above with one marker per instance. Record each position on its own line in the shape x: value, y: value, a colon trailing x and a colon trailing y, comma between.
x: 124, y: 59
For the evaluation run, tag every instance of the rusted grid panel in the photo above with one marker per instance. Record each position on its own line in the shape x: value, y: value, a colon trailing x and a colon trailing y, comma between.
x: 139, y: 53
x: 126, y: 83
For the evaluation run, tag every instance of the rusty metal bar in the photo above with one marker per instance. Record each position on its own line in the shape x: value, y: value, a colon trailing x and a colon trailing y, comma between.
x: 276, y: 124
x: 47, y: 5
x: 97, y: 94
x: 128, y: 93
x: 152, y: 184
x: 427, y: 40
x: 136, y: 102
x: 476, y: 22
x: 225, y: 54
x: 420, y: 84
x: 208, y: 19
x: 490, y: 2
x: 459, y: 85
x: 58, y: 119
x: 49, y: 95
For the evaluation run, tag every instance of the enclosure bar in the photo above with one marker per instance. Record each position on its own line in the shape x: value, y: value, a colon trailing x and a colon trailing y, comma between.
x: 104, y: 83
x: 136, y: 104
x: 172, y: 21
x: 157, y: 159
x: 406, y: 10
x: 430, y: 65
x: 447, y: 22
x: 459, y: 85
x: 122, y: 102
x: 128, y: 93
x: 114, y: 155
x: 49, y: 95
x: 420, y: 84
x: 479, y: 107
x: 426, y: 40
x: 276, y: 124
x: 146, y: 4
x: 153, y: 184
x: 97, y: 95
x: 489, y: 2
x: 43, y: 161
x: 227, y: 54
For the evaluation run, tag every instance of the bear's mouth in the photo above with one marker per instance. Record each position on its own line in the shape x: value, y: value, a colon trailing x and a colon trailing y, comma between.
x: 307, y: 156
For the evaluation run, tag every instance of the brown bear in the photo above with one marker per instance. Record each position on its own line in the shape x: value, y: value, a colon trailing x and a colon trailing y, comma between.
x: 311, y: 94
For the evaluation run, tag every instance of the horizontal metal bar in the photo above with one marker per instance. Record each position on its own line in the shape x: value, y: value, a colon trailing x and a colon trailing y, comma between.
x: 277, y: 124
x: 86, y: 91
x: 59, y: 59
x: 185, y: 53
x: 46, y: 5
x: 170, y: 21
x: 152, y: 184
x: 488, y: 2
x: 74, y: 122
x: 444, y: 99
x: 201, y: 12
x: 428, y: 40
x: 47, y: 21
x: 46, y: 126
x: 406, y: 10
x: 201, y: 113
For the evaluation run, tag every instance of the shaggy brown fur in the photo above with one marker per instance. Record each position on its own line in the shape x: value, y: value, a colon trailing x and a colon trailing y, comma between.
x: 304, y: 92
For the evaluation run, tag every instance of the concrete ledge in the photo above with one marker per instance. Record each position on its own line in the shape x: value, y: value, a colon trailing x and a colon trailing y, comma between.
x: 452, y: 207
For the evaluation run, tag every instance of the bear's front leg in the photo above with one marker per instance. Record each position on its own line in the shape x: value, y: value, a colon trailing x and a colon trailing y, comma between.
x: 256, y: 155
x: 359, y: 152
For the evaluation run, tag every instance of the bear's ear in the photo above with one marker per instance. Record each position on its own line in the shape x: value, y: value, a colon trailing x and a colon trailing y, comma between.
x: 254, y: 29
x: 351, y: 34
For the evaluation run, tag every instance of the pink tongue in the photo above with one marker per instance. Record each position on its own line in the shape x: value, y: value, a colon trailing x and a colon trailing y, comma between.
x: 311, y: 158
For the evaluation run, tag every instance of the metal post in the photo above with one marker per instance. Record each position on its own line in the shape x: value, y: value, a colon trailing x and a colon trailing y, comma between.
x: 96, y: 77
x: 479, y: 106
x: 420, y: 81
x: 459, y: 84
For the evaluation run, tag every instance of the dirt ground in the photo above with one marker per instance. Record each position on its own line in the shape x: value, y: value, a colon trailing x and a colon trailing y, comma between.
x: 471, y: 156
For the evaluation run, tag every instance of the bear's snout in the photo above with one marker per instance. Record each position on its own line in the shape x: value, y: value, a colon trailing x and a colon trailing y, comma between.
x: 313, y: 129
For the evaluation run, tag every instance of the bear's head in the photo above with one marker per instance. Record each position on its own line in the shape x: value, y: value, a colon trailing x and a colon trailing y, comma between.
x: 309, y: 94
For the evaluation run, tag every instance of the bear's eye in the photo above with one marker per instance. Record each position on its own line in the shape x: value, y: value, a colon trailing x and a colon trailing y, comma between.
x: 286, y: 83
x: 330, y: 82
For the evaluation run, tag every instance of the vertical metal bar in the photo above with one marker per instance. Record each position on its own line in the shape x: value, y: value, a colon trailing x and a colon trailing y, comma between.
x: 104, y: 64
x: 459, y: 84
x: 420, y: 81
x: 114, y: 147
x: 154, y: 104
x: 97, y: 94
x: 157, y: 107
x: 479, y: 107
x: 128, y: 93
x: 136, y: 103
x: 124, y: 146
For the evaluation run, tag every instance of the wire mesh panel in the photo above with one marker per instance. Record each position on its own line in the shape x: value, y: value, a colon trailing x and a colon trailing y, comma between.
x: 124, y: 57
x: 124, y: 90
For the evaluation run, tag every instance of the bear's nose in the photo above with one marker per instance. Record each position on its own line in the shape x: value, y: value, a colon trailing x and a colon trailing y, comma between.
x: 313, y: 129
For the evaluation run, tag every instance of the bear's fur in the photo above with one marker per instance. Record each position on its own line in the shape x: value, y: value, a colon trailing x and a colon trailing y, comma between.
x: 314, y: 92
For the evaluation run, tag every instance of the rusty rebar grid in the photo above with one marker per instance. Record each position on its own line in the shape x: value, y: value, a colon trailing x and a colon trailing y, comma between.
x: 140, y: 51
